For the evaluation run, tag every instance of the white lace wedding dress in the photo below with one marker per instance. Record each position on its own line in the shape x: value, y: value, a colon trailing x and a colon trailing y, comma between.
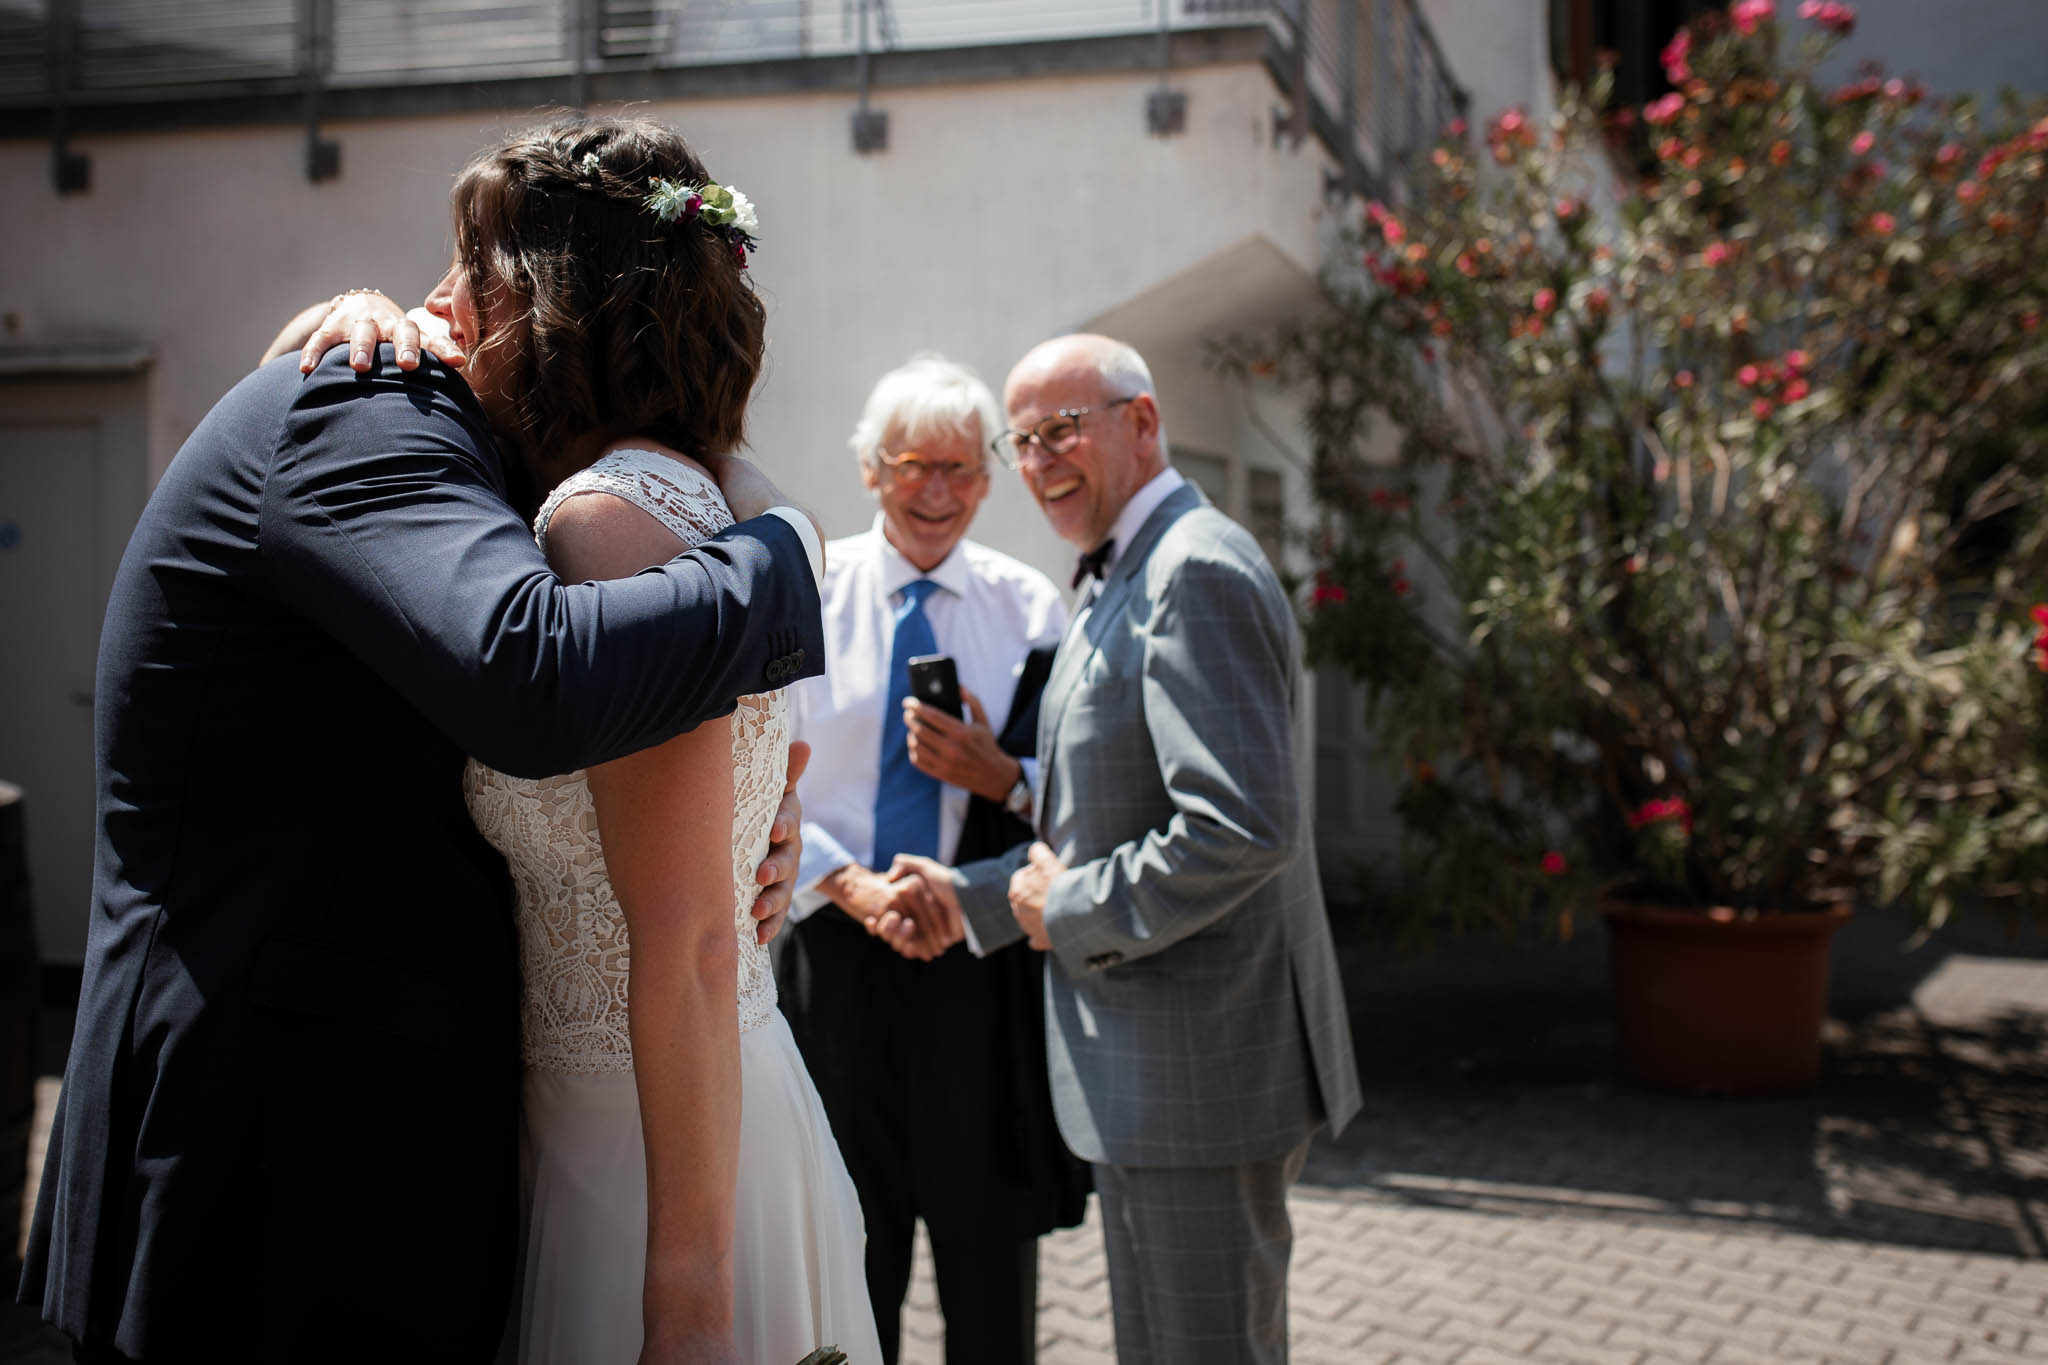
x: 797, y: 1238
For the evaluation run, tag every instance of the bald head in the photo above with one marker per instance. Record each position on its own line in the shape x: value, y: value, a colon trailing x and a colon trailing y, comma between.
x: 1119, y: 446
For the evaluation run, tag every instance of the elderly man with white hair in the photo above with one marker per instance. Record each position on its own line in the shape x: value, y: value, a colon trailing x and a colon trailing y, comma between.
x: 931, y: 1063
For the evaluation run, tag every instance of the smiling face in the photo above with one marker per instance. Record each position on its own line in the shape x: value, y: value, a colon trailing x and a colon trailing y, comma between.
x: 924, y: 522
x: 1082, y: 489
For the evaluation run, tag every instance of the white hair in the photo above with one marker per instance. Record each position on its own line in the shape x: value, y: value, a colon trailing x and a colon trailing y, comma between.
x: 1126, y: 375
x: 923, y: 397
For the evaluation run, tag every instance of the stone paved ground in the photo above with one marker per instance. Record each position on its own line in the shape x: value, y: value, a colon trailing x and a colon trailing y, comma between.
x: 1502, y: 1199
x: 1896, y: 1215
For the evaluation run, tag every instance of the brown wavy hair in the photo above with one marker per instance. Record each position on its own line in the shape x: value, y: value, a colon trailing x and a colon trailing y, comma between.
x: 598, y: 317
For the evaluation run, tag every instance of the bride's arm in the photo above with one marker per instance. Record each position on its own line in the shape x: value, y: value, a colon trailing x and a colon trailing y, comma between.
x: 665, y: 817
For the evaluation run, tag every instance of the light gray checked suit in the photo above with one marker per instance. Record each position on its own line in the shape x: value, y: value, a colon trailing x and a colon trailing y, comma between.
x: 1194, y: 1014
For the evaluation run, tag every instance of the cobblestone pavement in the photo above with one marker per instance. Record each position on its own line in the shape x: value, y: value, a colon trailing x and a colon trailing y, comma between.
x: 1504, y: 1200
x: 1896, y: 1215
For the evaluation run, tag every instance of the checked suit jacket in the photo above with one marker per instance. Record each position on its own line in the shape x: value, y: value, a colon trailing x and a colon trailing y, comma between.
x: 1194, y: 1015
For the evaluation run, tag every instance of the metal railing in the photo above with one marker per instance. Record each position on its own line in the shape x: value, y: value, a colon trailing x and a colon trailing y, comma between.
x: 1365, y: 75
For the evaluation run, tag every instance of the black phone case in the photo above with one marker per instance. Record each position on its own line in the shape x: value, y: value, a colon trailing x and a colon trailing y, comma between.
x: 935, y: 682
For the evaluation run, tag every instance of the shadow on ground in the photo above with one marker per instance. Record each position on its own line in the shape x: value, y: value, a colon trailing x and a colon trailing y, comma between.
x: 1490, y: 1086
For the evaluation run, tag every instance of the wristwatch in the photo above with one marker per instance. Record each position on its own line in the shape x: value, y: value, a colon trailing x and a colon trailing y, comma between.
x: 1018, y: 802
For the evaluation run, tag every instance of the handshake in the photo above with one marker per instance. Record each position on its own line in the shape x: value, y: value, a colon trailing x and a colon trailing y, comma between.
x: 914, y: 907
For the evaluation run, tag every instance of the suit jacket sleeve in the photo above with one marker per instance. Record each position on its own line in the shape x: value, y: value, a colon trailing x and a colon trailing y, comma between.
x: 382, y: 521
x: 1220, y: 717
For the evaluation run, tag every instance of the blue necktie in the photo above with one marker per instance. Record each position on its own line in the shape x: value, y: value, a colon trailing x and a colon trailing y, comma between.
x: 906, y: 800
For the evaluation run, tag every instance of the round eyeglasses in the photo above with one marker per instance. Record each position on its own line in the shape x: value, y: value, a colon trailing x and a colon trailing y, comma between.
x: 1055, y: 435
x: 912, y: 470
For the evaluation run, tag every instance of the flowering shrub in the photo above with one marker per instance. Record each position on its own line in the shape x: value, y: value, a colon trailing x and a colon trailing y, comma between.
x: 1726, y: 492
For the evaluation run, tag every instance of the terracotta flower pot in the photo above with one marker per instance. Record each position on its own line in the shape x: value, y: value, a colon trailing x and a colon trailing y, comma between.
x: 1710, y: 1002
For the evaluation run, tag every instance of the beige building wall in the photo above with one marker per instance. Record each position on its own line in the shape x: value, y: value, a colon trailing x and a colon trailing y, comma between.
x: 1000, y: 214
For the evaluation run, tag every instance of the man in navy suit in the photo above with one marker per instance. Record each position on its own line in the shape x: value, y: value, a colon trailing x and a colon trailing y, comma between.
x: 288, y: 1126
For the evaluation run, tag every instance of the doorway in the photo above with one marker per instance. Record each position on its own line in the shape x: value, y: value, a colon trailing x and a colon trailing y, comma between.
x: 73, y: 476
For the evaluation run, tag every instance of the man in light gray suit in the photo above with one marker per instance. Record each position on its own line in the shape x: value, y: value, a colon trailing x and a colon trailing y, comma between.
x: 1195, y: 1023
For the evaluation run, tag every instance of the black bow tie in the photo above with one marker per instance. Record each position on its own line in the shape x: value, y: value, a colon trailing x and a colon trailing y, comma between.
x: 1093, y: 563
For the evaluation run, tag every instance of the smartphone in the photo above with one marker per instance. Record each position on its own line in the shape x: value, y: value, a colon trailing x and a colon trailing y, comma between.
x: 934, y: 681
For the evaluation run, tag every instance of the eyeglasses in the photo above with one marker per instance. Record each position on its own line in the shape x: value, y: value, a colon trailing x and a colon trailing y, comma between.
x: 912, y: 469
x: 1055, y: 435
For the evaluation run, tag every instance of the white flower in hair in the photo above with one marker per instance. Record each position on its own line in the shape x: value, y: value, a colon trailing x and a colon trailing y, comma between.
x: 590, y: 163
x: 743, y: 216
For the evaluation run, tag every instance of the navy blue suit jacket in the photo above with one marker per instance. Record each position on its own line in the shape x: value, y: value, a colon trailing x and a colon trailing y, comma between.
x: 288, y: 1128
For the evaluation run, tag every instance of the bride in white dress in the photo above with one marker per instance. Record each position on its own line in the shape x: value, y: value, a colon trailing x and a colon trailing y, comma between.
x: 663, y: 815
x: 684, y: 1197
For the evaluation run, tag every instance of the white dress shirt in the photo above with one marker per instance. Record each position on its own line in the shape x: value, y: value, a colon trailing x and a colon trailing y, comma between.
x: 990, y: 611
x: 1142, y: 504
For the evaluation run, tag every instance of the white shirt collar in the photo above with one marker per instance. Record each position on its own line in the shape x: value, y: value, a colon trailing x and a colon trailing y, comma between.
x: 1142, y: 504
x: 950, y: 573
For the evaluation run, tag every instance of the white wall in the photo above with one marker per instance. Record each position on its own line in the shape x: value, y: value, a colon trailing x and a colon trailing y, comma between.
x: 1000, y: 214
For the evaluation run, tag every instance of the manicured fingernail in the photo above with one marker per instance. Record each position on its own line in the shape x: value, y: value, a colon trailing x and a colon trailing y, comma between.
x: 408, y: 357
x: 361, y: 358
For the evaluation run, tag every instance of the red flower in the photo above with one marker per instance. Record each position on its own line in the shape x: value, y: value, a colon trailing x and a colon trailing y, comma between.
x: 1746, y: 376
x: 1948, y: 154
x: 1761, y: 407
x: 1327, y: 590
x: 1747, y: 14
x: 1662, y: 111
x: 1969, y: 191
x: 1862, y: 142
x: 1513, y: 121
x: 1716, y: 254
x: 1598, y: 302
x: 1659, y: 809
x: 1797, y: 390
x: 1674, y: 54
x: 2040, y: 615
x: 1683, y: 379
x: 1554, y: 864
x: 1545, y: 300
x: 1882, y: 223
x: 1456, y: 128
x: 1797, y: 360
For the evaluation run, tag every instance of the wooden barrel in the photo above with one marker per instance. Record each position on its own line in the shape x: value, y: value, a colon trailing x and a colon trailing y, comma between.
x: 19, y: 972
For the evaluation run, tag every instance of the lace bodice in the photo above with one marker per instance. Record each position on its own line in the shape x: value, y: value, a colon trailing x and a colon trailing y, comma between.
x: 572, y: 933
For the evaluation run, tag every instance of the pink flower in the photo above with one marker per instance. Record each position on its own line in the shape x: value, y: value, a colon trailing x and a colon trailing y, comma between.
x: 1554, y: 864
x: 1747, y: 14
x: 1683, y: 379
x: 1797, y: 390
x: 1762, y: 408
x: 1566, y: 207
x: 1969, y: 191
x: 1829, y: 14
x: 1674, y: 54
x: 1948, y: 154
x: 1545, y: 300
x: 1797, y: 360
x: 1390, y: 227
x: 1882, y: 223
x: 1716, y: 254
x: 1661, y: 111
x: 1513, y: 121
x: 1456, y: 128
x: 1861, y: 144
x: 1746, y: 376
x: 1598, y: 302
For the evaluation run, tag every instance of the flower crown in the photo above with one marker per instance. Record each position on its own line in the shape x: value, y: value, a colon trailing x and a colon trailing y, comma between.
x: 721, y: 208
